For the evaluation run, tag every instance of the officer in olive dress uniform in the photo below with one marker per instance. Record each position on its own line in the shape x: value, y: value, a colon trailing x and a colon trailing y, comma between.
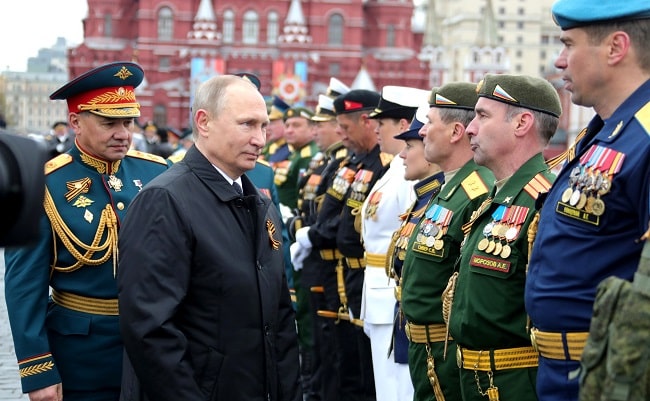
x: 70, y: 341
x: 429, y: 179
x: 314, y: 271
x: 597, y: 209
x: 433, y: 248
x: 391, y: 195
x: 337, y: 234
x: 516, y: 115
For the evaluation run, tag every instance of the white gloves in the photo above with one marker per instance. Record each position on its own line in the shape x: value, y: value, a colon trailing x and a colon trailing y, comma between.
x: 298, y: 255
x: 302, y: 237
x: 286, y: 212
x: 300, y: 249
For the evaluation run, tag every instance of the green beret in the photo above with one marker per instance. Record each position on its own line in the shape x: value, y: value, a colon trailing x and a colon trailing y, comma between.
x: 455, y: 95
x: 521, y: 91
x: 298, y: 112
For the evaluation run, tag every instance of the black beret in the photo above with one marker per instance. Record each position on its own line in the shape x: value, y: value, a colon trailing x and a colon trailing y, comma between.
x: 356, y: 100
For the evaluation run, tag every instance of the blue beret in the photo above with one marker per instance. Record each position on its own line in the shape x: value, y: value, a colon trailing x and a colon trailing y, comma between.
x: 575, y: 13
x: 417, y: 123
x: 107, y: 90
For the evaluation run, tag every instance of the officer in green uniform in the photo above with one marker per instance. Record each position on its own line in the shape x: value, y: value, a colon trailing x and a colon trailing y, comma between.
x: 69, y: 343
x: 434, y: 245
x: 515, y: 118
x: 299, y: 134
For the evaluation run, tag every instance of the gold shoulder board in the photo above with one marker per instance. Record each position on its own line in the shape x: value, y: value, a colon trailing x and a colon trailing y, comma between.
x: 643, y: 117
x: 386, y: 158
x: 306, y: 151
x: 58, y: 162
x: 175, y: 158
x: 474, y: 186
x: 341, y: 153
x: 146, y: 156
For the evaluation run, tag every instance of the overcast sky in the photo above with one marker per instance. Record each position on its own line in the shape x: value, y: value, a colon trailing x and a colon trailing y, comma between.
x: 29, y: 25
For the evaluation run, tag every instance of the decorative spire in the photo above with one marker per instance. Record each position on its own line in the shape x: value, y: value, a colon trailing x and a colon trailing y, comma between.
x: 432, y: 29
x: 487, y: 30
x: 295, y: 28
x: 205, y: 23
x: 363, y: 80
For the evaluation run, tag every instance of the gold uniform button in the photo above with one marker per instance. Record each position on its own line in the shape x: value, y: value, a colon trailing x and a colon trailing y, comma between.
x: 120, y: 206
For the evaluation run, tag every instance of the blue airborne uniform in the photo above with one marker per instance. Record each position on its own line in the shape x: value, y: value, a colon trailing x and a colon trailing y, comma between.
x: 589, y: 229
x: 73, y: 335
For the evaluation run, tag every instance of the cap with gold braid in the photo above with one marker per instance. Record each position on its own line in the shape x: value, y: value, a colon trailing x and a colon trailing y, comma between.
x: 324, y: 110
x: 107, y: 91
x: 521, y: 91
x: 336, y: 88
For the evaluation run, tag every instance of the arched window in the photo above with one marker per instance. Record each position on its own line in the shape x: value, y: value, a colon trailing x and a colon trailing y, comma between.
x: 165, y: 24
x: 272, y: 28
x: 250, y: 28
x: 108, y: 25
x: 335, y: 30
x: 160, y: 115
x: 390, y: 36
x: 228, y: 26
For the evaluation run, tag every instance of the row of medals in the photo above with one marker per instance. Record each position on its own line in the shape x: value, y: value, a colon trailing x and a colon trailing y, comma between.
x: 431, y: 235
x: 498, y: 231
x: 585, y: 189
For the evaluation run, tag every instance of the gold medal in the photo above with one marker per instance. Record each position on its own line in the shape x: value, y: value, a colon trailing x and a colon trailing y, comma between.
x: 483, y: 244
x: 497, y: 249
x: 505, y: 251
x: 566, y: 195
x: 490, y: 247
x: 598, y: 208
x: 590, y: 202
x: 438, y: 244
x: 582, y: 201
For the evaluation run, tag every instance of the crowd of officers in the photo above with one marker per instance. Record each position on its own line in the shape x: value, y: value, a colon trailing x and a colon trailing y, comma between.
x: 432, y: 252
x: 392, y: 204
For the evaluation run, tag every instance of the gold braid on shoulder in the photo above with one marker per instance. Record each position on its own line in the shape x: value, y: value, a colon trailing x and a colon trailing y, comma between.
x: 82, y: 252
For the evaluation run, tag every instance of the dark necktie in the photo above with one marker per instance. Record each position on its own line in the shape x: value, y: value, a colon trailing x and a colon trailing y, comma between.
x: 237, y: 188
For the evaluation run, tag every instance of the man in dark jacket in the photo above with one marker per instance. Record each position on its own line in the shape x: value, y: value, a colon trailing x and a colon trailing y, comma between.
x: 205, y: 302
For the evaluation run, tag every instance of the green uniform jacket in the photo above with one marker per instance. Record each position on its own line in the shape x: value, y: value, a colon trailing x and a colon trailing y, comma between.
x: 426, y: 271
x: 488, y: 306
x: 288, y: 174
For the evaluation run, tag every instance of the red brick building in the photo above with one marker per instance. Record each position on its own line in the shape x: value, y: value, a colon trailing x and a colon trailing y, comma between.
x: 294, y: 46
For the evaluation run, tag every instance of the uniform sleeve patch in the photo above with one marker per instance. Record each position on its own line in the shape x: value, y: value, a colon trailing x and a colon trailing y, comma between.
x: 58, y: 162
x: 643, y: 117
x: 146, y: 156
x: 474, y: 186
